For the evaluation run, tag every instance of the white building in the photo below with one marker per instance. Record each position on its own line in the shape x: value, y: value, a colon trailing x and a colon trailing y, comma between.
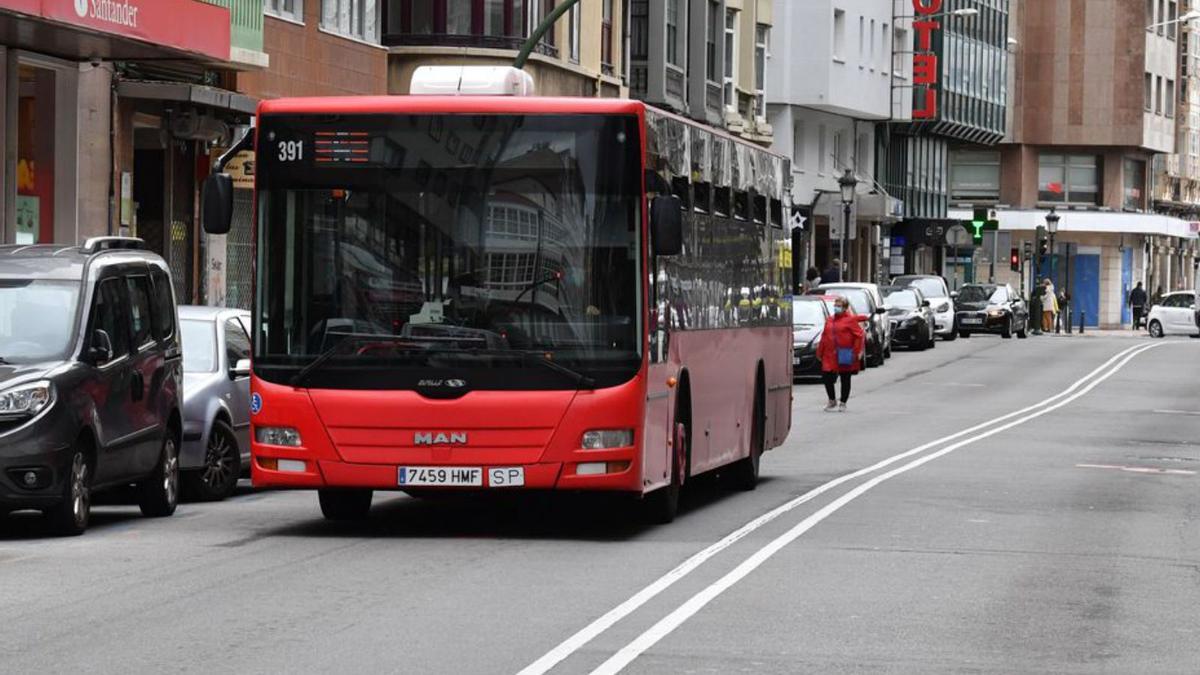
x: 829, y: 81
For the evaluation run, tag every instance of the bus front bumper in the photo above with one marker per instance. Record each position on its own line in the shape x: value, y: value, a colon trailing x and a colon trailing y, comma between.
x: 598, y: 474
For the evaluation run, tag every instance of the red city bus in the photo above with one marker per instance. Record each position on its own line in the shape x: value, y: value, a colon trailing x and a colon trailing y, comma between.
x: 511, y: 293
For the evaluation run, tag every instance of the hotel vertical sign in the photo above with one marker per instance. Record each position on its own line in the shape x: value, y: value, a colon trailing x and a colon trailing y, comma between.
x: 925, y: 60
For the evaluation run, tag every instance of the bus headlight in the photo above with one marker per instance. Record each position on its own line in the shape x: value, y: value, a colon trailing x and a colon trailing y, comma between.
x: 607, y: 438
x: 283, y: 436
x: 26, y: 400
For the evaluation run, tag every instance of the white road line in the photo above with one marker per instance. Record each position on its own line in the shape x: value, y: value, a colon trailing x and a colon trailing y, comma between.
x: 694, y: 604
x: 603, y: 623
x: 1138, y: 469
x: 1178, y: 412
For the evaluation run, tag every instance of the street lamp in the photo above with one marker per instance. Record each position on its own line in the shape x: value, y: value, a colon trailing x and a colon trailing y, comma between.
x: 1052, y: 219
x: 847, y: 183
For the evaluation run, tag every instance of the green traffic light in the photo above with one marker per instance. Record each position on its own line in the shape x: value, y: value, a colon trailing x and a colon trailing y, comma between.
x: 978, y: 235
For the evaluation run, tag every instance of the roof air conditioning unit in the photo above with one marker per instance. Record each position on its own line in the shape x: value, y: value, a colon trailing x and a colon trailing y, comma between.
x: 471, y: 81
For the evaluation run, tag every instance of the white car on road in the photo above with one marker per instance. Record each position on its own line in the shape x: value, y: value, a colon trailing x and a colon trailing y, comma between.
x: 935, y: 290
x: 1175, y: 314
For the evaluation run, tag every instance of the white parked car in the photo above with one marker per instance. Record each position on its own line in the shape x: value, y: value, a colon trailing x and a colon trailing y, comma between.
x: 934, y: 289
x: 1174, y: 315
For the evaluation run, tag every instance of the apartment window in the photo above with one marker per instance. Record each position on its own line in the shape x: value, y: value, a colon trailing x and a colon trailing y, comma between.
x: 1135, y: 184
x: 1069, y: 179
x: 458, y: 17
x: 672, y: 32
x: 574, y: 29
x: 731, y: 32
x: 1170, y: 98
x: 871, y: 44
x: 839, y: 161
x: 862, y: 36
x: 710, y: 41
x: 1148, y: 92
x: 1161, y: 13
x: 285, y: 9
x: 762, y: 34
x: 822, y: 158
x: 1158, y: 86
x: 353, y: 18
x: 606, y: 33
x: 839, y: 34
x: 974, y: 175
x: 885, y: 52
x: 798, y: 152
x: 1172, y: 14
x: 1150, y: 15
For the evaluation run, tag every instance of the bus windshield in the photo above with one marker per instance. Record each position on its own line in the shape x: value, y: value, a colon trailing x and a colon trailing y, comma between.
x: 423, y: 246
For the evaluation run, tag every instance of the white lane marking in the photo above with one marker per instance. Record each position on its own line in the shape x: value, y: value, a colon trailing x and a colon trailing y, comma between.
x: 603, y: 623
x: 1178, y: 412
x: 959, y: 384
x: 1138, y: 469
x: 694, y: 604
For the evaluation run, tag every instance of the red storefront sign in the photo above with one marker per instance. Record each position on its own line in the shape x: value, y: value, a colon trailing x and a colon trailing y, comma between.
x: 925, y: 62
x: 183, y: 25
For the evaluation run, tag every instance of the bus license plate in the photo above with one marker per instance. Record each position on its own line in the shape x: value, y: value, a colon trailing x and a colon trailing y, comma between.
x: 449, y: 476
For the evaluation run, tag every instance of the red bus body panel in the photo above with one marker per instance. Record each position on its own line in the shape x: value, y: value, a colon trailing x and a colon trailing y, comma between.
x: 359, y: 439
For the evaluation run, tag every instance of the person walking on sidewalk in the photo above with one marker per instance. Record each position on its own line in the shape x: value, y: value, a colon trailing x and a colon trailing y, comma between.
x: 1035, y: 309
x: 1049, y: 305
x: 832, y: 274
x: 840, y: 351
x: 1137, y: 303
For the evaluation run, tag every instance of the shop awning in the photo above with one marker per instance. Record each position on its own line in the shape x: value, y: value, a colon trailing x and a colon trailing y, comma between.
x: 212, y: 97
x: 1091, y: 221
x: 127, y: 30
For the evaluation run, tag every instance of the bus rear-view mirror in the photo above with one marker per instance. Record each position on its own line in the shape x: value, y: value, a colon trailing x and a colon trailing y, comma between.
x: 216, y: 199
x: 666, y: 225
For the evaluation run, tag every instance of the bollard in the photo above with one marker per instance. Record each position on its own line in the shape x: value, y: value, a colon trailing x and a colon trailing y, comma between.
x: 1082, y: 318
x: 1069, y: 317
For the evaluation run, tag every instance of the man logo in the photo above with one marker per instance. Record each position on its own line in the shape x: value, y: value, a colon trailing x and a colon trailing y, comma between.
x: 81, y: 8
x: 440, y: 438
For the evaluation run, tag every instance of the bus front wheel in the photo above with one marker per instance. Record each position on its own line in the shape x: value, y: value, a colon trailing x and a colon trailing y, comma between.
x: 345, y: 504
x: 662, y: 505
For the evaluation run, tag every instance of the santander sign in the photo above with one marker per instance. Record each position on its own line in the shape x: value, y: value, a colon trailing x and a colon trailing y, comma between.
x: 120, y: 12
x: 925, y: 60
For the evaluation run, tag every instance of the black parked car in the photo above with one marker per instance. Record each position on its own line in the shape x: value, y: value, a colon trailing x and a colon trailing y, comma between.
x: 809, y: 315
x: 90, y: 374
x: 913, y: 322
x: 991, y: 308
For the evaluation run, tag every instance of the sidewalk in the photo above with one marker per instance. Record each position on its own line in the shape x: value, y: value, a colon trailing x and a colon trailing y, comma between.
x: 1101, y: 332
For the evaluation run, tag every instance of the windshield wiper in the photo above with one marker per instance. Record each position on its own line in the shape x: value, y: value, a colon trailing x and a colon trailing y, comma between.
x: 350, y: 339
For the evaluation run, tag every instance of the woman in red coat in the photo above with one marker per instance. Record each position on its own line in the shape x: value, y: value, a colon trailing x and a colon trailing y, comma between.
x: 840, y: 351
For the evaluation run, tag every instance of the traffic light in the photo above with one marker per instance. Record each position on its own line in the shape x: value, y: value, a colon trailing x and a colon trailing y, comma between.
x: 1042, y: 243
x: 1014, y: 260
x: 977, y: 226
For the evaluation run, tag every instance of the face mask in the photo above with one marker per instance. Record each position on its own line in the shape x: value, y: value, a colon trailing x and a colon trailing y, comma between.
x: 839, y: 310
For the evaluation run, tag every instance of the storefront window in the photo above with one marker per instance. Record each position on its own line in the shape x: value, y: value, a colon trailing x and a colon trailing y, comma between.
x: 974, y: 175
x: 1071, y: 179
x: 35, y: 156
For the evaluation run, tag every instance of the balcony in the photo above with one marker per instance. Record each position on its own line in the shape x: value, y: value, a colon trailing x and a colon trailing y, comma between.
x: 246, y: 34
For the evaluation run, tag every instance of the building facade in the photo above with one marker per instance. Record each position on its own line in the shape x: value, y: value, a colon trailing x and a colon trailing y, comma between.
x: 826, y: 121
x: 955, y: 103
x: 583, y: 53
x: 705, y: 59
x: 111, y: 115
x: 1084, y: 135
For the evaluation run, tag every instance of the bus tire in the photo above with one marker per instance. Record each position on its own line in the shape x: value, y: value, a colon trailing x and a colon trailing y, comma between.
x: 345, y: 504
x: 744, y: 474
x: 661, y: 506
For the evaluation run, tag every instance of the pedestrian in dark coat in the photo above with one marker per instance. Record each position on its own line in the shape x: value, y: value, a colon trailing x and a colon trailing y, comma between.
x: 1035, y: 308
x: 812, y: 279
x: 1137, y: 303
x: 841, y: 351
x: 832, y: 274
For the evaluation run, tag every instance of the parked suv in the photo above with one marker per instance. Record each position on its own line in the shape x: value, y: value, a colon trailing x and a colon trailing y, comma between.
x: 90, y: 373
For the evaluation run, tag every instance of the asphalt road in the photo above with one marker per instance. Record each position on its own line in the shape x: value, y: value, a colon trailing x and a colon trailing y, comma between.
x: 1065, y: 538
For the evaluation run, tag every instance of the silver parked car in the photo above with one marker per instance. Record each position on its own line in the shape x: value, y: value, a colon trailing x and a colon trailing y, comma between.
x: 216, y: 399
